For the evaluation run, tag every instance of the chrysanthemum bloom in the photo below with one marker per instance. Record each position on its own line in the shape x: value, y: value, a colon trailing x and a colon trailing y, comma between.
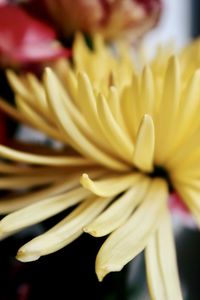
x: 133, y: 137
x: 111, y: 18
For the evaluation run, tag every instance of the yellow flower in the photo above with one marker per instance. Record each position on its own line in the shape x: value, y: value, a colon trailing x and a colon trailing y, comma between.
x: 131, y: 133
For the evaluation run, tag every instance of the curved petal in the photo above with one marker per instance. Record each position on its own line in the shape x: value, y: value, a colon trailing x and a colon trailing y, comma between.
x: 111, y: 186
x: 71, y: 130
x: 131, y: 238
x: 21, y: 156
x: 119, y: 211
x: 162, y: 273
x: 40, y: 211
x: 64, y: 232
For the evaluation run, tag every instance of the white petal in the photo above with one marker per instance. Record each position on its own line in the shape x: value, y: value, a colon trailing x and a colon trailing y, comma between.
x: 162, y: 273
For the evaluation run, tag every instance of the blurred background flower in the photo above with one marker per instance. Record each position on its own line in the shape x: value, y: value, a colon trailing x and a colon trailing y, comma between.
x: 26, y: 40
x: 111, y: 18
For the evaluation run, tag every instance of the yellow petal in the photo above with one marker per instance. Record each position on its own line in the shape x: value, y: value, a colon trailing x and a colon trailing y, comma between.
x: 187, y: 120
x: 38, y: 91
x: 144, y: 146
x: 147, y: 97
x: 87, y: 104
x: 87, y: 101
x: 131, y: 238
x: 114, y: 102
x: 77, y: 139
x: 21, y: 86
x: 111, y: 186
x: 130, y: 106
x: 12, y: 203
x: 36, y: 159
x: 28, y: 181
x: 68, y: 78
x: 22, y: 169
x: 13, y: 112
x: 114, y: 133
x: 118, y: 212
x: 93, y: 133
x: 64, y: 232
x: 18, y: 85
x: 37, y: 121
x: 167, y: 117
x: 190, y: 150
x: 42, y: 210
x: 160, y: 257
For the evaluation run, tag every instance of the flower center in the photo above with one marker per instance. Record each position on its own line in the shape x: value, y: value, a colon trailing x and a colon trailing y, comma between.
x: 162, y: 173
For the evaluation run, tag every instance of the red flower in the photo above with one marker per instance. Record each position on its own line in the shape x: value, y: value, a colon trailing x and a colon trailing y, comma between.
x: 24, y: 39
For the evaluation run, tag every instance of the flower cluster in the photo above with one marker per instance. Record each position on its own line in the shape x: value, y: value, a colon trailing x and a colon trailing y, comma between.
x: 130, y: 138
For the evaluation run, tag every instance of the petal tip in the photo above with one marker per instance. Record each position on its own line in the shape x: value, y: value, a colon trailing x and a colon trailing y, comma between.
x: 24, y: 256
x: 103, y: 271
x: 90, y: 231
x: 85, y: 181
x: 48, y: 71
x: 82, y: 77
